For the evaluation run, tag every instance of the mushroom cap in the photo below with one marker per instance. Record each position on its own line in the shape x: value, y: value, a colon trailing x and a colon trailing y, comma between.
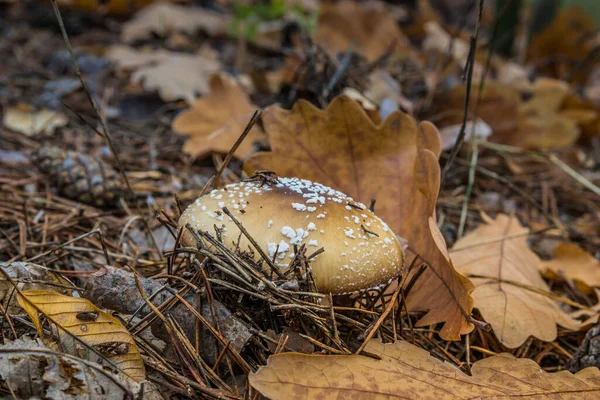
x: 360, y: 251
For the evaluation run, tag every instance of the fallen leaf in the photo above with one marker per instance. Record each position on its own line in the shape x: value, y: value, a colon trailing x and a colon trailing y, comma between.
x: 174, y: 75
x: 563, y: 46
x: 575, y: 263
x: 408, y: 372
x: 34, y: 371
x: 495, y: 256
x: 547, y: 131
x: 29, y: 276
x: 215, y: 122
x: 90, y: 325
x: 365, y: 103
x: 588, y: 225
x: 368, y: 26
x: 535, y: 123
x: 498, y: 107
x: 540, y: 125
x: 585, y: 113
x: 342, y: 148
x: 28, y: 121
x: 440, y: 290
x: 161, y: 18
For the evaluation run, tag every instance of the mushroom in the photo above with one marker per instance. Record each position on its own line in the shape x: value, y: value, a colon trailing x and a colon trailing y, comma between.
x: 360, y: 251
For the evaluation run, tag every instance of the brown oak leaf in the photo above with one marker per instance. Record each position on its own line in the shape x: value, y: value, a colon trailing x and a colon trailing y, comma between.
x: 395, y: 163
x: 509, y: 291
x: 564, y: 45
x: 368, y: 26
x: 575, y: 263
x: 540, y: 122
x: 405, y: 371
x: 215, y: 122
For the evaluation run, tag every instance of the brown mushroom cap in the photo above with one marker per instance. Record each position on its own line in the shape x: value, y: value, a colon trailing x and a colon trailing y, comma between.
x: 360, y: 250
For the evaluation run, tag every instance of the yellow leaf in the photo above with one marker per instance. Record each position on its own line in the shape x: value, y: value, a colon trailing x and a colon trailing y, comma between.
x: 395, y: 163
x: 29, y: 276
x: 576, y: 264
x: 216, y: 121
x: 86, y: 322
x: 495, y: 256
x: 28, y: 121
x: 408, y: 372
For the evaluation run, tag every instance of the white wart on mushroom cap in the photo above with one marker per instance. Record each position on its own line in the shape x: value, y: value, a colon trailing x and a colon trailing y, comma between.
x: 360, y: 250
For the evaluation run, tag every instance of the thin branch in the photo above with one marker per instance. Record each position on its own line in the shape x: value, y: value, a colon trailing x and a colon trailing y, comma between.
x: 106, y: 134
x: 469, y: 78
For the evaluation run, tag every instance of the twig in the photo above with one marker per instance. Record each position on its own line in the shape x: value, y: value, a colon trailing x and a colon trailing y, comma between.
x: 9, y: 320
x: 574, y: 174
x: 105, y: 130
x: 256, y: 246
x: 339, y: 72
x: 470, y: 184
x: 469, y: 74
x: 257, y: 114
x: 380, y: 320
x: 104, y: 249
x: 321, y: 345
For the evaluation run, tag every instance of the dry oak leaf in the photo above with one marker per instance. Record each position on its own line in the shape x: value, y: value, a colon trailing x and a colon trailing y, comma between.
x: 34, y: 371
x: 508, y: 285
x: 162, y: 18
x: 585, y: 113
x: 498, y: 107
x: 174, y: 75
x: 395, y: 163
x: 540, y: 123
x: 406, y: 371
x: 77, y: 317
x: 215, y: 122
x: 441, y: 291
x: 369, y: 26
x: 536, y: 123
x: 575, y: 263
x: 562, y: 49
